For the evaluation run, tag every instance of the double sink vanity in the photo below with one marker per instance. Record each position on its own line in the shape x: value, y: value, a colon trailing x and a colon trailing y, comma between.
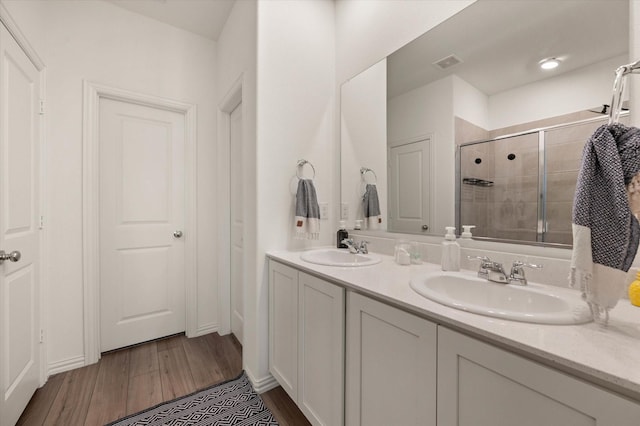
x: 357, y: 339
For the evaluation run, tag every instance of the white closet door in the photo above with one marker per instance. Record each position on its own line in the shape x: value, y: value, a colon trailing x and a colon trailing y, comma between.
x: 19, y: 218
x: 142, y: 265
x: 237, y: 224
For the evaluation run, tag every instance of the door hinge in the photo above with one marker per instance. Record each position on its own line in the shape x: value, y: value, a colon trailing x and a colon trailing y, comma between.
x: 41, y: 225
x: 41, y: 336
x: 41, y: 107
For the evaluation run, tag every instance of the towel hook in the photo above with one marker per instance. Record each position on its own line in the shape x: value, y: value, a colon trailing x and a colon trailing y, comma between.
x: 618, y: 89
x: 364, y: 170
x: 301, y: 164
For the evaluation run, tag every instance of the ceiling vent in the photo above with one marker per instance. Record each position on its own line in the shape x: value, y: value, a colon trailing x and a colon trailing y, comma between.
x: 447, y: 62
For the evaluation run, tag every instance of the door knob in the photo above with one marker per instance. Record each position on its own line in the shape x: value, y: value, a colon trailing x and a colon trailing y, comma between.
x: 425, y: 227
x: 177, y: 234
x: 14, y: 256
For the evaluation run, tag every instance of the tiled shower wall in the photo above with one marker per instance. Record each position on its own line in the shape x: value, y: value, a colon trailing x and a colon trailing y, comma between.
x: 509, y: 208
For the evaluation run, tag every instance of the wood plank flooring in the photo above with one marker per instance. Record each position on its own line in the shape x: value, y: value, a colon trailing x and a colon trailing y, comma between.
x: 132, y: 379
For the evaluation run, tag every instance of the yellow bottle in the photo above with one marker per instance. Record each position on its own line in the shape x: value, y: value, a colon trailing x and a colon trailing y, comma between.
x: 634, y: 291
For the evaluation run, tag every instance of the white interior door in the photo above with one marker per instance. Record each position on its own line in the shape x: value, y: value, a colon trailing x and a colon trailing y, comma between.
x: 19, y: 229
x: 237, y: 224
x: 142, y: 265
x: 409, y: 184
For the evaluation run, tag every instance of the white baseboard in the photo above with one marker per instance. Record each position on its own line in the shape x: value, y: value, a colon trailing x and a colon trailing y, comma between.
x: 263, y: 384
x: 206, y: 329
x: 65, y: 365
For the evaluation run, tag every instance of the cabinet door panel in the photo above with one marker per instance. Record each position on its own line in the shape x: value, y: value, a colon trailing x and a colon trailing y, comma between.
x: 283, y: 326
x: 481, y: 385
x: 391, y: 365
x: 321, y: 354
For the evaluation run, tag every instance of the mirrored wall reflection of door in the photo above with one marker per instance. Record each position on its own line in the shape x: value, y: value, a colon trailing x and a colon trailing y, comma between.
x: 237, y: 223
x: 409, y: 183
x: 142, y: 207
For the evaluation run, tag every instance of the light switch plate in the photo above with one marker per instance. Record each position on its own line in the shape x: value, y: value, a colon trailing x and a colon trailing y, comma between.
x: 324, y: 211
x: 344, y: 211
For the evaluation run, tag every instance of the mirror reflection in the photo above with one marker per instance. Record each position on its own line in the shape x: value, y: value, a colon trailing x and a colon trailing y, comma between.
x: 477, y: 77
x: 520, y: 187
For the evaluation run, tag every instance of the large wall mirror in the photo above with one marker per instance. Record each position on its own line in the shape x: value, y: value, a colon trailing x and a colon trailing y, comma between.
x: 476, y: 78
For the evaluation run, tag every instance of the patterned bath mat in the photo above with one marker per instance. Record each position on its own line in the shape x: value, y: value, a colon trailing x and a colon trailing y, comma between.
x: 234, y: 402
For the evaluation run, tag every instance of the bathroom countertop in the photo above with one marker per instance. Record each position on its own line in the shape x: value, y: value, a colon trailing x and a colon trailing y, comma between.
x: 605, y: 355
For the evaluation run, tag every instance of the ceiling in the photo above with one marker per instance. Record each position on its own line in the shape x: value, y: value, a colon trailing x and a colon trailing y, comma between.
x: 501, y: 42
x: 491, y: 37
x: 203, y: 17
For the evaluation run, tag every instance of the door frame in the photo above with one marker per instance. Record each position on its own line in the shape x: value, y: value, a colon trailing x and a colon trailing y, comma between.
x: 231, y: 100
x: 93, y: 92
x: 13, y: 28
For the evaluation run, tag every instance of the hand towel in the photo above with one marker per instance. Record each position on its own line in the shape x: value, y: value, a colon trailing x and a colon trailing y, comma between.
x: 605, y: 233
x: 371, y: 207
x: 307, y: 220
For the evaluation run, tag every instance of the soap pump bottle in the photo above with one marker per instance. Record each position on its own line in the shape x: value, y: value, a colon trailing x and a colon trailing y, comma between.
x: 466, y: 231
x: 342, y: 234
x: 450, y: 251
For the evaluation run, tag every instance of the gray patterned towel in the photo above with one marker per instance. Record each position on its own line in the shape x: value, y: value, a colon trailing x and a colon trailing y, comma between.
x: 371, y: 207
x: 307, y: 220
x: 605, y: 233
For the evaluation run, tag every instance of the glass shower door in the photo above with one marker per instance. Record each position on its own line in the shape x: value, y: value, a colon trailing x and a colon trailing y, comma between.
x: 499, y: 187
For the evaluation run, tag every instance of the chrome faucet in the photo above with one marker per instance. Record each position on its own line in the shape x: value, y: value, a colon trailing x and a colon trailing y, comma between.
x: 494, y: 271
x: 356, y: 248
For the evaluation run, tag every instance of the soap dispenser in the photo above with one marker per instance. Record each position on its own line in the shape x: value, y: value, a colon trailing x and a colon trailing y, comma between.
x: 450, y: 251
x: 342, y: 235
x: 466, y: 231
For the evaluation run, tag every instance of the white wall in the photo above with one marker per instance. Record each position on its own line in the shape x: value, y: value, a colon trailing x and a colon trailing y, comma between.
x: 470, y: 103
x: 295, y: 120
x: 97, y: 41
x: 573, y: 91
x: 363, y: 130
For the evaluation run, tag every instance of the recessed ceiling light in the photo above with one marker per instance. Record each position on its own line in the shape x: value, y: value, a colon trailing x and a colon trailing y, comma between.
x: 549, y: 63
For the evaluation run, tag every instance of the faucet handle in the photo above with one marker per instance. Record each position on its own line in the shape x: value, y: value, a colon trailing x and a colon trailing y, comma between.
x: 362, y: 247
x: 517, y: 271
x: 485, y: 263
x: 518, y: 264
x: 351, y: 245
x: 484, y: 260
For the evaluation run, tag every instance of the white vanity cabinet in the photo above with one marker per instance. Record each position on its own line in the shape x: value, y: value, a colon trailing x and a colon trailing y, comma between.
x: 306, y: 342
x: 482, y: 385
x: 391, y: 365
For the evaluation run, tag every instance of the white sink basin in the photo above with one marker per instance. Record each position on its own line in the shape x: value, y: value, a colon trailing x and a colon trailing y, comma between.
x: 535, y: 303
x: 339, y: 257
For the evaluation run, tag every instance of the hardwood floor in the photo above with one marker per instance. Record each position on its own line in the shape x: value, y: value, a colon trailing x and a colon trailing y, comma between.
x: 132, y: 379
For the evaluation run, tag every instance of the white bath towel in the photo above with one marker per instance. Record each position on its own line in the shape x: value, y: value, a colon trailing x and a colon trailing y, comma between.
x: 605, y: 233
x: 307, y: 218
